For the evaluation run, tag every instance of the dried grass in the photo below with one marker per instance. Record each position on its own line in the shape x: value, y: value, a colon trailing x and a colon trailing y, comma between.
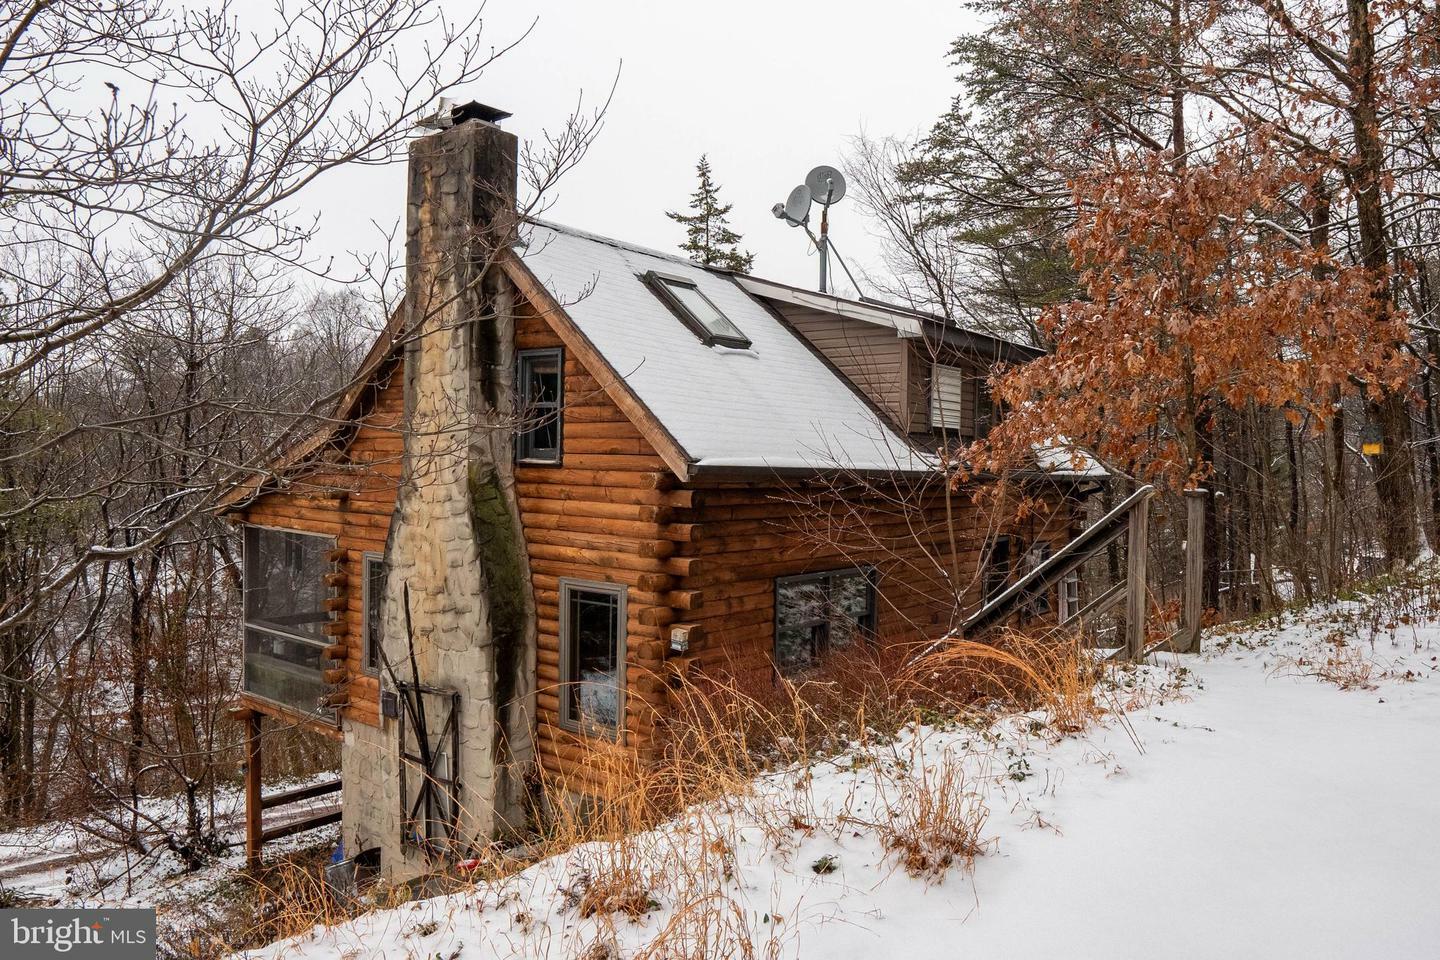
x: 732, y: 753
x: 934, y: 818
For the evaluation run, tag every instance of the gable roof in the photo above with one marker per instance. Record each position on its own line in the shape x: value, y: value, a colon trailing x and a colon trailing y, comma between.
x: 776, y: 405
x: 779, y: 406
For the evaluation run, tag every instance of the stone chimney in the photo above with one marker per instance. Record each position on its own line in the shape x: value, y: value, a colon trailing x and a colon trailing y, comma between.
x: 458, y: 619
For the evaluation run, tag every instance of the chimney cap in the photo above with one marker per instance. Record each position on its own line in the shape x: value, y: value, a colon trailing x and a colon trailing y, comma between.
x: 448, y: 113
x: 475, y: 110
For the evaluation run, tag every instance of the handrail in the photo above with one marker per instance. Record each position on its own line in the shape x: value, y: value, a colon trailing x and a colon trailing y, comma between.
x: 1099, y: 605
x: 1067, y: 558
x: 1093, y: 538
x: 296, y: 794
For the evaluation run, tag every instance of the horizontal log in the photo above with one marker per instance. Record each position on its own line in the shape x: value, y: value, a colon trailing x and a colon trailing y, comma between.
x: 604, y: 430
x: 635, y: 530
x: 645, y: 547
x: 556, y: 490
x: 631, y: 446
x: 685, y: 599
x: 685, y: 566
x: 632, y: 479
x: 627, y: 512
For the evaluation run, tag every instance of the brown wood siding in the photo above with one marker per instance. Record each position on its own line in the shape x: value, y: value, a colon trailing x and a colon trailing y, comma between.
x: 602, y: 515
x: 350, y: 498
x: 873, y: 357
x: 752, y: 534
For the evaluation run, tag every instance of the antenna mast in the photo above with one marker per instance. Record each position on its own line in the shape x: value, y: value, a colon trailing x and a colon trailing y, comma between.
x: 823, y: 185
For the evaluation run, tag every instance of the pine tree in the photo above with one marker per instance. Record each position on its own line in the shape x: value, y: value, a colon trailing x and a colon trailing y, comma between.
x: 708, y: 237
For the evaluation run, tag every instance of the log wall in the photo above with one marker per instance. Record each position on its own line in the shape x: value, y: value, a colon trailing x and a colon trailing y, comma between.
x: 702, y: 553
x: 350, y: 498
x: 750, y: 535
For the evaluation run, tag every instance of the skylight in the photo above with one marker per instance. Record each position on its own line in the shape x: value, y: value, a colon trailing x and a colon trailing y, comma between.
x: 696, y: 311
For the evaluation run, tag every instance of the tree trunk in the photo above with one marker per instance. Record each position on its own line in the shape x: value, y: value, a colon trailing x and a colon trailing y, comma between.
x: 1395, y: 466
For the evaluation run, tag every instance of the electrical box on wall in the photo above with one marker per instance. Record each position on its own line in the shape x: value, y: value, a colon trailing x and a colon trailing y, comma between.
x: 683, y: 636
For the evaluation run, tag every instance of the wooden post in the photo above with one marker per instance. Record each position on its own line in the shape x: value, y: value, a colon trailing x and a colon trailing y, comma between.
x: 1194, y: 570
x: 1135, y: 560
x: 254, y: 809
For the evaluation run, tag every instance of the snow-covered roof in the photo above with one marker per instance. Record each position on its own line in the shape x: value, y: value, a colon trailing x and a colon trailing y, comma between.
x: 1062, y: 458
x: 905, y: 321
x: 775, y: 405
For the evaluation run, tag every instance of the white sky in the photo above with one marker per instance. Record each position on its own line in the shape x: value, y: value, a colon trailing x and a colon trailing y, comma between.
x: 768, y: 88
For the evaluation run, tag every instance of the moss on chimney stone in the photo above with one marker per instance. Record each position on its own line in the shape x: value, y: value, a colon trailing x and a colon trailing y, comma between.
x: 504, y: 573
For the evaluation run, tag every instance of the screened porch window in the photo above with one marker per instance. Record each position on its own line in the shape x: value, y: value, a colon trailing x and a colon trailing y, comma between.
x: 592, y: 657
x: 696, y: 310
x: 819, y: 612
x: 539, y: 379
x: 285, y: 617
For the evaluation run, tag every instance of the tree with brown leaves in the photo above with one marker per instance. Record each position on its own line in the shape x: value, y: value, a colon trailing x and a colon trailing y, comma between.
x: 1197, y: 296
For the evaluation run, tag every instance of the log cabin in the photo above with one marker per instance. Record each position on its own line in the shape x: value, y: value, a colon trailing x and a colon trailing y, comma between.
x: 572, y: 468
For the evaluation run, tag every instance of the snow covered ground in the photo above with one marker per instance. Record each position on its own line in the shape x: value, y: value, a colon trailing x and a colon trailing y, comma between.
x: 1243, y: 805
x: 69, y: 864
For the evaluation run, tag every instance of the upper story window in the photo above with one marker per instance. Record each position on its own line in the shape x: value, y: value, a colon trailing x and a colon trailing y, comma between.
x: 696, y: 310
x: 818, y: 612
x: 947, y: 398
x: 960, y: 401
x: 986, y: 412
x: 539, y: 384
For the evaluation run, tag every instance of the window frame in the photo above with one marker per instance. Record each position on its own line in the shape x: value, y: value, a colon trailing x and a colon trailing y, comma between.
x: 658, y: 283
x: 994, y: 580
x: 871, y: 578
x: 319, y: 714
x: 369, y: 662
x: 1035, y: 554
x: 950, y: 423
x: 987, y: 411
x: 525, y: 408
x: 1068, y: 600
x: 579, y: 725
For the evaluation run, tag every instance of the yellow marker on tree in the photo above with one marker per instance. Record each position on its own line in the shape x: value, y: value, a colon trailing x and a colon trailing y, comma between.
x: 1372, y: 441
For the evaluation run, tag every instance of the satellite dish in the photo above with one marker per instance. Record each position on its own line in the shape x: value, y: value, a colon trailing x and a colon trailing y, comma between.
x: 797, y: 205
x: 827, y: 185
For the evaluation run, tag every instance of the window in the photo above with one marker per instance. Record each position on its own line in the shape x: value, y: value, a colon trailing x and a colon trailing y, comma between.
x: 998, y: 567
x: 538, y: 385
x: 985, y: 409
x: 374, y: 609
x: 1037, y: 604
x: 285, y: 616
x: 592, y: 657
x: 818, y: 612
x: 947, y: 398
x: 1069, y: 596
x: 696, y: 310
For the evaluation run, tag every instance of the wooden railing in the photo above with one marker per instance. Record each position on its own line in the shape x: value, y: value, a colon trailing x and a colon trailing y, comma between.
x: 1129, y: 518
x: 256, y: 833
